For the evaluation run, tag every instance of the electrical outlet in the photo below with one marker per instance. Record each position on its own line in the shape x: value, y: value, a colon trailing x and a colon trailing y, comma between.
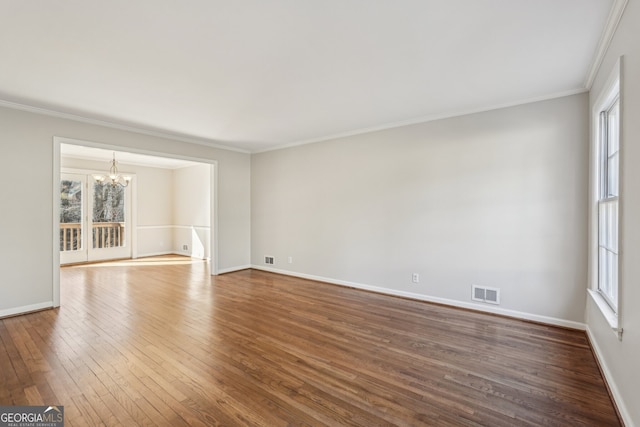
x: 415, y: 278
x: 290, y: 260
x: 185, y: 247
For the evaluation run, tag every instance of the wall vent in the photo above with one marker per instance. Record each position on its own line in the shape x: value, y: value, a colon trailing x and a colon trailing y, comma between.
x: 269, y: 260
x: 485, y: 294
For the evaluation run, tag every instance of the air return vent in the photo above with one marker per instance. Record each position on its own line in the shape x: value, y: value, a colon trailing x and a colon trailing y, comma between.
x: 269, y: 260
x: 485, y: 294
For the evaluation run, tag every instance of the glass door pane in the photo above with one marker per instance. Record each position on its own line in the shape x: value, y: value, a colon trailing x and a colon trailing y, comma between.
x: 109, y: 221
x: 70, y: 215
x: 72, y: 212
x: 108, y: 216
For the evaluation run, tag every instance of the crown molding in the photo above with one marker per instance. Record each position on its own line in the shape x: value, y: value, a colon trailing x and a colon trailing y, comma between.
x: 615, y: 15
x: 425, y: 119
x: 207, y: 143
x: 113, y: 125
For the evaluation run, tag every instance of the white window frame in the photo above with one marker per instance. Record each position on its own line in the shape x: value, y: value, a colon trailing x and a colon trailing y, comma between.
x: 602, y: 197
x: 608, y: 202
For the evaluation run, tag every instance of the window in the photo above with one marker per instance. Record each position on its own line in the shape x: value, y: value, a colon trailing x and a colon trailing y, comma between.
x: 608, y: 199
x: 606, y: 287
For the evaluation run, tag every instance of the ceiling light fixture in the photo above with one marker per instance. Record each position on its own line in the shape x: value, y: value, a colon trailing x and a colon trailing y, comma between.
x: 114, y: 176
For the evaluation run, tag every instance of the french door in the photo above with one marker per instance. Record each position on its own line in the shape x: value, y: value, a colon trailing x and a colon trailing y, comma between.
x: 95, y: 219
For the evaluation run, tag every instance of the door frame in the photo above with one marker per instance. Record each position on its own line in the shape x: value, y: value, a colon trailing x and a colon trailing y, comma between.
x: 213, y: 188
x: 81, y: 254
x: 131, y: 200
x: 131, y: 210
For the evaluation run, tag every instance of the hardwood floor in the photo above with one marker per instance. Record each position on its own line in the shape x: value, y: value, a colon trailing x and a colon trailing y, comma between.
x: 160, y: 342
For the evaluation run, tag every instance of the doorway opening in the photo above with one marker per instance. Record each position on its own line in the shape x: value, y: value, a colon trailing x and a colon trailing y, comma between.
x: 169, y: 208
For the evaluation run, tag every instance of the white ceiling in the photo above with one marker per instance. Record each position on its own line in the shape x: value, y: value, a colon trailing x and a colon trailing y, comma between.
x: 258, y: 74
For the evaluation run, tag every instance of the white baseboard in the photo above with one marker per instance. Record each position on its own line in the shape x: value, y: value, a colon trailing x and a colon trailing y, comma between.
x: 25, y: 309
x: 150, y: 254
x: 232, y: 269
x: 615, y: 393
x: 454, y: 303
x: 188, y: 254
x: 181, y: 253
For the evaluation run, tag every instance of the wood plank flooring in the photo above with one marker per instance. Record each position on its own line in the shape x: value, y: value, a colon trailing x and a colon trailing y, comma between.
x: 160, y: 342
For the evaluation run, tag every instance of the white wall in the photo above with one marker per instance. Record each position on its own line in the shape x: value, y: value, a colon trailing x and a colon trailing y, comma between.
x: 155, y: 188
x: 191, y: 210
x: 497, y: 199
x: 26, y: 149
x: 621, y: 359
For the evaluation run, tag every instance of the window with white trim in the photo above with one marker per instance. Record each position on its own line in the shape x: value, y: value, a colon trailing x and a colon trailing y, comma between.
x: 608, y: 200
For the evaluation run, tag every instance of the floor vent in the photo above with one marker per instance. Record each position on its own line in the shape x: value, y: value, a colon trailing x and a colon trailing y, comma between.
x: 485, y: 294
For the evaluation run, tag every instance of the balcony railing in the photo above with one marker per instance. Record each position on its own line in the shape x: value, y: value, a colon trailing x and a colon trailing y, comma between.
x: 103, y: 234
x: 70, y: 236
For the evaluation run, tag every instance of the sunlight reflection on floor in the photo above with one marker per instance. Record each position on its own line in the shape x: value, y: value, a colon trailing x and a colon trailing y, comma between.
x: 140, y: 262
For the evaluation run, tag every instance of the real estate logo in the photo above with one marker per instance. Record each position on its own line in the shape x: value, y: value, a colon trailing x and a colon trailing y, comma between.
x: 31, y: 416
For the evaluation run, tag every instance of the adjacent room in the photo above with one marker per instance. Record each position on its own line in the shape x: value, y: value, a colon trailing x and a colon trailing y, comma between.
x: 160, y: 206
x: 321, y: 213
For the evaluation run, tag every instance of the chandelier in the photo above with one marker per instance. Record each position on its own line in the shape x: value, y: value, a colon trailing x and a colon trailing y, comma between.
x: 114, y: 178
